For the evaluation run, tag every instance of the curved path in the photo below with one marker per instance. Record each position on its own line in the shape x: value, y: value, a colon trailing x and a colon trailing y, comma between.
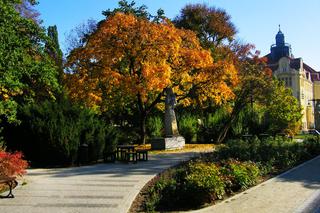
x: 98, y: 188
x: 113, y: 187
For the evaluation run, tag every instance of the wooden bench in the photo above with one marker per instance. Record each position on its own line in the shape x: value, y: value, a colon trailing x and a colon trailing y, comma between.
x: 142, y: 155
x: 122, y: 150
x: 131, y: 156
x: 11, y: 182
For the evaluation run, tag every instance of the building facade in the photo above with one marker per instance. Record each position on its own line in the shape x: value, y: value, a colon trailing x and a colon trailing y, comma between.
x: 301, y: 78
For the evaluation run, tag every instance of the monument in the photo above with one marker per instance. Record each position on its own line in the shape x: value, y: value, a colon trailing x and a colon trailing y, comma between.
x: 172, y: 139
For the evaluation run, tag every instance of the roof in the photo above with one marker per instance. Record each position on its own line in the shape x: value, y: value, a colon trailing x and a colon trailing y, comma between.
x: 295, y: 63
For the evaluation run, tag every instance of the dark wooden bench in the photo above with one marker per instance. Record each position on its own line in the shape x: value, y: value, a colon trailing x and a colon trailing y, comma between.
x: 131, y: 156
x: 142, y: 154
x: 121, y: 153
x: 11, y: 182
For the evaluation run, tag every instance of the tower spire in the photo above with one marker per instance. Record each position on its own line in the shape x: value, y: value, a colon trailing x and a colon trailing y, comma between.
x: 279, y: 28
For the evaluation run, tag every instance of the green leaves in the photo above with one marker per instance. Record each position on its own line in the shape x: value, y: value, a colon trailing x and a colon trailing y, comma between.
x: 27, y: 73
x: 284, y: 111
x: 212, y: 25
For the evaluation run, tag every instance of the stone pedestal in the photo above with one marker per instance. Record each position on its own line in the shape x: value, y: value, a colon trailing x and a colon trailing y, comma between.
x: 168, y: 143
x: 172, y: 139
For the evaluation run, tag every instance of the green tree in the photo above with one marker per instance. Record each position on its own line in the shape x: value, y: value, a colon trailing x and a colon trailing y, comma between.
x: 283, y: 110
x: 54, y: 51
x: 267, y: 102
x: 254, y: 85
x: 27, y: 72
x: 129, y: 8
x: 140, y: 12
x: 212, y: 25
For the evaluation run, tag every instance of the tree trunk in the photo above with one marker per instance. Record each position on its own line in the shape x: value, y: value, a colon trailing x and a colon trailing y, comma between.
x: 223, y: 132
x: 226, y: 127
x: 143, y: 118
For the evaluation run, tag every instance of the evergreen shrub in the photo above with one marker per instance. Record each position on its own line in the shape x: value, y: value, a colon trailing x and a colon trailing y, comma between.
x: 155, y: 126
x: 51, y: 133
x: 188, y: 127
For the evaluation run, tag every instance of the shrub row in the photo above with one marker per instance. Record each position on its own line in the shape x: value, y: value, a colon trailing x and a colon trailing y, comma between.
x: 53, y: 134
x: 235, y: 166
x: 278, y: 152
x: 196, y: 183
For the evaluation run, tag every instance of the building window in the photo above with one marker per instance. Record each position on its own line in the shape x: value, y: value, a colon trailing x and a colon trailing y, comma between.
x: 290, y: 82
x: 284, y: 69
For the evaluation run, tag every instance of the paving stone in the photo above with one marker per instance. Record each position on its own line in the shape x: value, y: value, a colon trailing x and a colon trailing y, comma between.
x: 88, y: 189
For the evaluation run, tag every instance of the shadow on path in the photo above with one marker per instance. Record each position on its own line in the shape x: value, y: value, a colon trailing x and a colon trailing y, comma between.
x: 308, y: 174
x: 156, y: 164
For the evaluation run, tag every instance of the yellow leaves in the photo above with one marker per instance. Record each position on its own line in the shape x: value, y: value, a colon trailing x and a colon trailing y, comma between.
x: 129, y: 57
x: 156, y: 77
x: 6, y: 94
x: 95, y: 98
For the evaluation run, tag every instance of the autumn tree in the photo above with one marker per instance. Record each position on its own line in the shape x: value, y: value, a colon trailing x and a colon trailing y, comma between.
x: 131, y: 61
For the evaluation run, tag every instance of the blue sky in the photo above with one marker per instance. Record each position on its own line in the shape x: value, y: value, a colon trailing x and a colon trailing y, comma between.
x: 256, y: 20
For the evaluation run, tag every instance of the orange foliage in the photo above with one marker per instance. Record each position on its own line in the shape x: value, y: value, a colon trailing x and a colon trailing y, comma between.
x: 129, y: 58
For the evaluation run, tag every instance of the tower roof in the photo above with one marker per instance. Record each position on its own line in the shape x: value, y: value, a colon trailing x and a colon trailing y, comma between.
x: 280, y: 41
x: 280, y: 49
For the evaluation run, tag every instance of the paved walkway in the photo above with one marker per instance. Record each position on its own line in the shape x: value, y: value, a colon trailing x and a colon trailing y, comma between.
x: 297, y: 190
x: 113, y: 187
x: 97, y: 188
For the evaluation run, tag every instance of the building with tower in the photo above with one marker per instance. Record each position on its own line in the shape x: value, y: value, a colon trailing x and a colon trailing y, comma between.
x: 300, y: 77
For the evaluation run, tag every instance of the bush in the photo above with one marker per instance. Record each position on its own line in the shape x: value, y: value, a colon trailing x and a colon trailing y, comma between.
x: 188, y: 127
x: 93, y: 133
x: 163, y: 195
x: 193, y: 184
x: 240, y: 175
x: 312, y: 146
x: 279, y: 152
x: 212, y: 124
x: 204, y: 179
x: 111, y: 139
x: 155, y: 126
x: 51, y: 133
x: 12, y: 164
